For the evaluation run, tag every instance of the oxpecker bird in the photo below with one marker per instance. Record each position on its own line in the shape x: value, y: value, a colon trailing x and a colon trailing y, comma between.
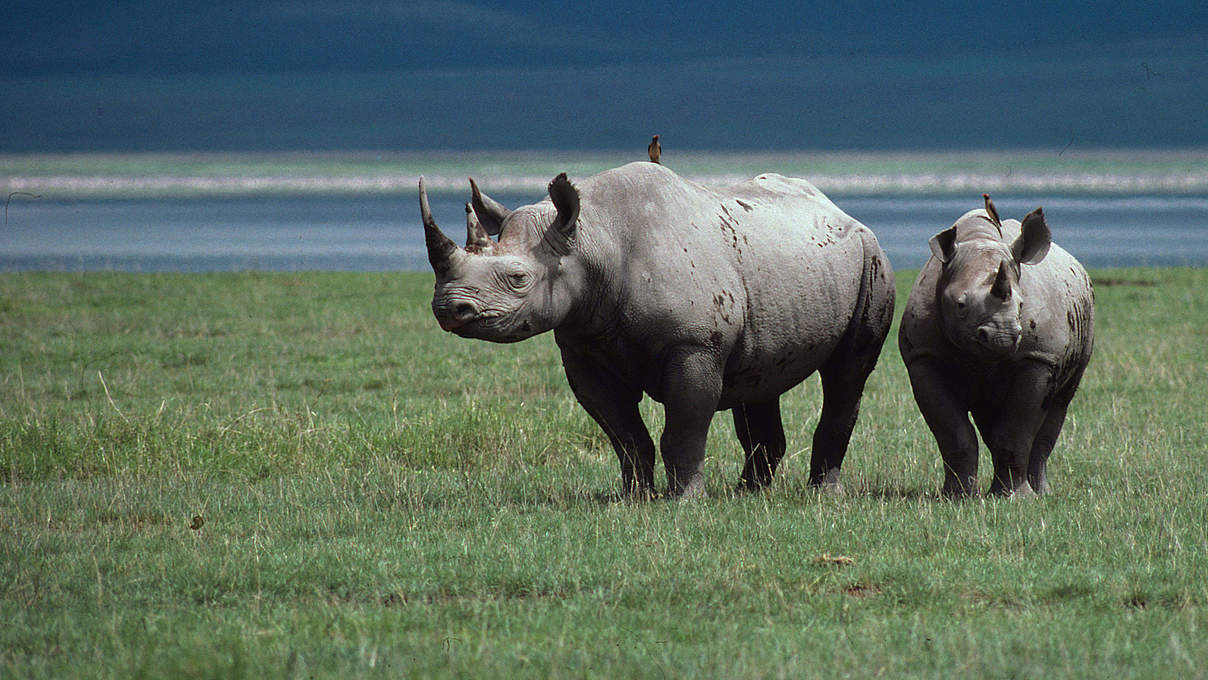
x: 654, y: 150
x: 993, y: 213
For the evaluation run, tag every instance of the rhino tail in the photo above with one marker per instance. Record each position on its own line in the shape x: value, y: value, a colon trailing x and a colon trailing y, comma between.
x: 873, y: 313
x: 878, y: 291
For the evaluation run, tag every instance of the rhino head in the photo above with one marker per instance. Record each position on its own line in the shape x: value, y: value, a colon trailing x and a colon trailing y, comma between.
x: 510, y: 289
x: 979, y: 296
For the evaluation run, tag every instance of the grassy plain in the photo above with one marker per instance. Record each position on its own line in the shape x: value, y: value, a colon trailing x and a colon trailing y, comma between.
x: 383, y: 499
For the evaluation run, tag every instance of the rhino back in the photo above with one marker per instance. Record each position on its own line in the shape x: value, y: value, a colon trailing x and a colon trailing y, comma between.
x: 768, y: 271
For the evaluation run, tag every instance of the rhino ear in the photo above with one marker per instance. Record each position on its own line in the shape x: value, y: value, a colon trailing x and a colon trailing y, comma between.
x: 490, y: 212
x: 943, y: 244
x: 566, y: 199
x: 1034, y: 239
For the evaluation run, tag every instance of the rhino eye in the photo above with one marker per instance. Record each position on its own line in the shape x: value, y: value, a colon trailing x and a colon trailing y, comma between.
x: 517, y: 279
x: 961, y: 307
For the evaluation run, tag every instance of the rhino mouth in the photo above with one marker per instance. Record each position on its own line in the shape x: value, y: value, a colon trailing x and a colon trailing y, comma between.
x: 997, y: 340
x: 491, y: 329
x: 462, y: 325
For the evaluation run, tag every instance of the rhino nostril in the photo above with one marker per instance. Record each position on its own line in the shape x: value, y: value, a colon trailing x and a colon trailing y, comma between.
x: 463, y: 311
x: 983, y: 335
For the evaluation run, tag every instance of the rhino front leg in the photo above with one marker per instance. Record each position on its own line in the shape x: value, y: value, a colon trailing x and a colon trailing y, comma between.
x: 691, y: 388
x: 614, y: 407
x: 948, y: 419
x: 1013, y: 432
x: 761, y: 433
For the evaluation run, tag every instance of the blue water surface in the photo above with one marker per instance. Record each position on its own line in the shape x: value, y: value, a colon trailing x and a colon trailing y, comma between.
x: 360, y: 233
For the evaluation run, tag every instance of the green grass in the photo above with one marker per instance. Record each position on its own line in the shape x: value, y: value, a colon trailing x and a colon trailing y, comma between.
x: 384, y: 499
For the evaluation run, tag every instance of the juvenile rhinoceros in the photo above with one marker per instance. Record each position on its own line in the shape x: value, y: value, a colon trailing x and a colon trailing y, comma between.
x: 705, y: 299
x: 999, y: 324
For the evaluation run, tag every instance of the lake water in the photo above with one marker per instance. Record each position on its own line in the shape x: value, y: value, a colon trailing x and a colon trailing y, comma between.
x: 373, y: 233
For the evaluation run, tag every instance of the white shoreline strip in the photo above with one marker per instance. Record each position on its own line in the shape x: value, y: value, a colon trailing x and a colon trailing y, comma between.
x: 907, y: 183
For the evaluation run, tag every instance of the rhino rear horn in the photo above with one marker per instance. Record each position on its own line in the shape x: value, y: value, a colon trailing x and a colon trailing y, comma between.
x: 476, y: 237
x: 1034, y: 239
x: 490, y: 212
x: 441, y: 249
x: 943, y: 244
x: 566, y: 199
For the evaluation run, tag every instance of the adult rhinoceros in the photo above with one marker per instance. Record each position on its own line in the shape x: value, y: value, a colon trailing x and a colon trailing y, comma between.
x: 705, y: 299
x: 1000, y: 324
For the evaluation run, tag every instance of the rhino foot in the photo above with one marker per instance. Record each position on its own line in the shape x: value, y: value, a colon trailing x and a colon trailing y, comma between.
x: 828, y: 483
x: 1022, y: 491
x: 693, y: 490
x: 833, y: 489
x: 638, y: 495
x: 955, y: 488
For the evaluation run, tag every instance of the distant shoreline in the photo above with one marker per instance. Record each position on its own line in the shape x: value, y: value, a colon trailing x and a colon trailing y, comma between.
x: 66, y: 176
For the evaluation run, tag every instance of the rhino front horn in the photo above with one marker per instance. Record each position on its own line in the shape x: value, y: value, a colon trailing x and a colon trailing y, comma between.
x: 441, y: 249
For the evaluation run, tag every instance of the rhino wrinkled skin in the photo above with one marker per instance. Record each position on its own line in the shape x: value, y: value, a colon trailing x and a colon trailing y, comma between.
x: 1000, y: 325
x: 705, y: 299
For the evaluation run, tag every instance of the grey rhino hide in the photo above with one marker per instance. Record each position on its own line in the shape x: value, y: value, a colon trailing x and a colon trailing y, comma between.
x: 706, y: 299
x: 1000, y: 325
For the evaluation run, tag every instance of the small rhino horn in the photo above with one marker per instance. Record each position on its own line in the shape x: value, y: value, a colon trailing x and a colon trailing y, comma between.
x: 491, y: 213
x: 476, y: 237
x: 1002, y: 282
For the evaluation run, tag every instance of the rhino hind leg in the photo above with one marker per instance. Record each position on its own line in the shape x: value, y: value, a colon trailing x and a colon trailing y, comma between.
x: 843, y: 377
x: 761, y: 433
x: 842, y: 387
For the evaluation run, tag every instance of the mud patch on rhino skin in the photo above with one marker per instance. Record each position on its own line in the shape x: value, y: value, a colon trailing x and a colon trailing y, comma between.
x: 727, y: 228
x: 723, y: 305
